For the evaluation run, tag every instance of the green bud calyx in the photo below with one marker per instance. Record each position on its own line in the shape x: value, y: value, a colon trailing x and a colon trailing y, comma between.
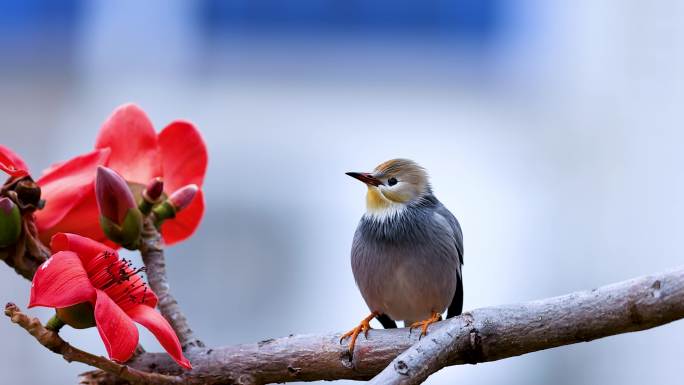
x: 79, y: 316
x: 10, y: 222
x: 152, y: 194
x: 162, y: 212
x: 129, y: 233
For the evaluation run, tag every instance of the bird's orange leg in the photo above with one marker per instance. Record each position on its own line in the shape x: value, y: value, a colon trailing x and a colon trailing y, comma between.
x: 425, y: 323
x: 364, y: 327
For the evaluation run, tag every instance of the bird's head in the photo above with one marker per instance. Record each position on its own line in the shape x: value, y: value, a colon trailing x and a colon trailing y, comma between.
x: 393, y: 185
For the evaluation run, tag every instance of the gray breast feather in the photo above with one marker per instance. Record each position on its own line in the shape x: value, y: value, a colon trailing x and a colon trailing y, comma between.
x: 408, y: 266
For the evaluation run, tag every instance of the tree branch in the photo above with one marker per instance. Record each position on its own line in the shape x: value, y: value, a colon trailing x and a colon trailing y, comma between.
x: 56, y: 344
x: 494, y: 333
x: 153, y: 257
x: 482, y: 335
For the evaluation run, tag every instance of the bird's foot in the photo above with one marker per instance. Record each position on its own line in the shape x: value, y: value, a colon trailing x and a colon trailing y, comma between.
x: 364, y: 327
x: 425, y: 323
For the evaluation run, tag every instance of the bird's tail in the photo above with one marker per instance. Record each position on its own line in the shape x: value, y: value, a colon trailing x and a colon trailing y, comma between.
x: 386, y: 321
x: 456, y: 306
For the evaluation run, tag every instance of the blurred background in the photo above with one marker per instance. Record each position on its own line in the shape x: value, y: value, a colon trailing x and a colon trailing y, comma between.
x: 553, y: 130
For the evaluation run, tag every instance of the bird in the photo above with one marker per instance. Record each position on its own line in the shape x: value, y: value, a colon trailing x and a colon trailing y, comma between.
x: 407, y: 251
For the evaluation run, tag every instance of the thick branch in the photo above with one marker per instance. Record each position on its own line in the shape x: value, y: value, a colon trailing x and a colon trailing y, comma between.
x: 153, y: 257
x: 56, y: 344
x: 486, y: 334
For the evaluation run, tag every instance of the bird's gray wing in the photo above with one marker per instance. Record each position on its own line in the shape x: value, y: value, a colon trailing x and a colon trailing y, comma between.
x: 456, y: 232
x: 449, y: 221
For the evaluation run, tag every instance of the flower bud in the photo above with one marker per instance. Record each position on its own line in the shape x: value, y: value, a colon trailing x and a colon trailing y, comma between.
x: 120, y: 218
x: 151, y: 195
x: 179, y: 200
x: 114, y: 198
x: 154, y: 190
x: 182, y: 197
x: 10, y: 222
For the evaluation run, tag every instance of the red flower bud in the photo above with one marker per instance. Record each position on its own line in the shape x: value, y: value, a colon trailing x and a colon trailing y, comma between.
x: 179, y: 200
x: 182, y: 197
x: 10, y: 222
x: 120, y: 218
x: 154, y: 190
x: 114, y: 198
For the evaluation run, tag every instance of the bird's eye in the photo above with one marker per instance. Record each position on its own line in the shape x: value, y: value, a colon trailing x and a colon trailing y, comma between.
x: 392, y: 181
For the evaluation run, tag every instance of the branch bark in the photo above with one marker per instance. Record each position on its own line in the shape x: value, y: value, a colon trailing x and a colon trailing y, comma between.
x: 56, y: 344
x: 153, y: 257
x: 482, y: 335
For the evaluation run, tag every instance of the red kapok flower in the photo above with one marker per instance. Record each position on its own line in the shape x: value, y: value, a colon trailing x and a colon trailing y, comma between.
x: 85, y: 271
x: 134, y: 150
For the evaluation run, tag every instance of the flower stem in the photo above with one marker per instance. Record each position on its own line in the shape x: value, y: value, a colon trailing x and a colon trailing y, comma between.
x: 145, y: 207
x: 54, y: 324
x: 162, y: 212
x: 153, y: 257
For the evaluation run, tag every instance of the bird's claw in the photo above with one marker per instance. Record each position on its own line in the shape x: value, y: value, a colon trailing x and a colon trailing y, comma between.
x: 424, y: 324
x: 363, y: 327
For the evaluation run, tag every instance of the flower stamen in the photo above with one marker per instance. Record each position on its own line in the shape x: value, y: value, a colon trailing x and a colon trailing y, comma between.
x: 119, y: 279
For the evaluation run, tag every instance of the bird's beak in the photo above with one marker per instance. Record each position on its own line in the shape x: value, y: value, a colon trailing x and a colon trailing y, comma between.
x: 365, y: 177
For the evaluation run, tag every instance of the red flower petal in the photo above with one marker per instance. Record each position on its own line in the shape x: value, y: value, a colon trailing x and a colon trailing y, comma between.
x: 184, y: 160
x: 185, y: 223
x: 86, y: 248
x: 61, y: 281
x: 53, y: 166
x: 12, y: 158
x: 130, y: 135
x: 82, y: 219
x: 157, y: 324
x: 183, y: 155
x: 11, y: 163
x: 64, y: 187
x: 117, y: 330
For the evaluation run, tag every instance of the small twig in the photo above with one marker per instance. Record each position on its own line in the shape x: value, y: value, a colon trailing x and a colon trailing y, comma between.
x: 153, y: 257
x: 56, y: 344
